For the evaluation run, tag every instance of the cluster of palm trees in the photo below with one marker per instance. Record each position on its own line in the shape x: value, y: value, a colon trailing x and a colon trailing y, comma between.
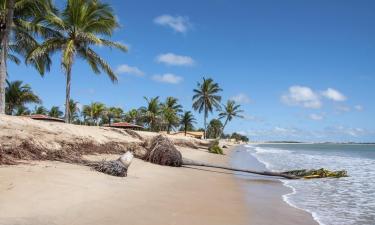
x: 34, y: 30
x: 72, y: 31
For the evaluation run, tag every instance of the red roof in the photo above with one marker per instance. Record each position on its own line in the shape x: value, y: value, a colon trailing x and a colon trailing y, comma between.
x: 125, y: 125
x: 45, y: 117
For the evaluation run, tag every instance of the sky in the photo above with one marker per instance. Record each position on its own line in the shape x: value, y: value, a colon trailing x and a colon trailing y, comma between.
x: 302, y: 70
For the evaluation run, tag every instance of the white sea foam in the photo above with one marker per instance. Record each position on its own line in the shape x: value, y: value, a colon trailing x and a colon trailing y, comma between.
x: 349, y: 201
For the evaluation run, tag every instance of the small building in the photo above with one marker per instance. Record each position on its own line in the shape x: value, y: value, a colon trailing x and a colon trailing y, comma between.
x: 193, y: 134
x: 124, y: 125
x: 45, y: 118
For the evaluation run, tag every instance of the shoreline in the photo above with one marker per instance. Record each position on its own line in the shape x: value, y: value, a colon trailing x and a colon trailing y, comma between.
x: 269, y: 194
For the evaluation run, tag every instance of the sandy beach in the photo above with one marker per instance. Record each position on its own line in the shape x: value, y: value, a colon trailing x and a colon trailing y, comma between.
x: 58, y: 193
x: 53, y: 192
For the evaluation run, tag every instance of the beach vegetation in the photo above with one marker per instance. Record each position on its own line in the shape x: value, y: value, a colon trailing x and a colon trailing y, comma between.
x: 40, y: 110
x: 187, y: 121
x: 214, y: 129
x: 228, y: 112
x: 21, y: 27
x: 17, y: 95
x: 55, y: 112
x: 76, y: 29
x: 206, y: 98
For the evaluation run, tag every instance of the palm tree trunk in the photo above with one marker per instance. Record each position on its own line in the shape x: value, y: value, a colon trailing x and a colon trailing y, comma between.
x: 222, y: 130
x: 4, y: 48
x: 185, y: 129
x: 205, y: 125
x: 188, y: 162
x: 67, y: 96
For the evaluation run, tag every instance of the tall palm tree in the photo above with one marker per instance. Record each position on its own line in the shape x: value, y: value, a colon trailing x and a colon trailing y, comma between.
x: 81, y: 25
x: 73, y: 110
x: 187, y: 121
x: 151, y: 112
x: 206, y: 98
x: 20, y: 28
x: 230, y: 110
x: 170, y: 111
x: 55, y: 112
x: 17, y: 95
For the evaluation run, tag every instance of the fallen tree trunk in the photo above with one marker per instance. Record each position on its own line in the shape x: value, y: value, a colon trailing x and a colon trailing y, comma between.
x: 188, y: 162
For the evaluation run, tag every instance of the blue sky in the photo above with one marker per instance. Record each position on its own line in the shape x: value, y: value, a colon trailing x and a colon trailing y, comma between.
x: 303, y: 70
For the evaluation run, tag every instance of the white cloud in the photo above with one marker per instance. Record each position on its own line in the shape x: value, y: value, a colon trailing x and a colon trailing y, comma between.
x: 252, y: 118
x: 358, y: 108
x: 316, y: 117
x: 333, y: 95
x: 241, y: 98
x: 343, y: 108
x: 179, y: 24
x: 129, y: 70
x: 302, y: 96
x: 167, y: 78
x: 175, y: 60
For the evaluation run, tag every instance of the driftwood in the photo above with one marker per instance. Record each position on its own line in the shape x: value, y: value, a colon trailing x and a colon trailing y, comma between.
x: 117, y: 167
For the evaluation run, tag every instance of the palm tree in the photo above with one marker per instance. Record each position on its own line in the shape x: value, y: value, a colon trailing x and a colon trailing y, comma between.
x: 170, y: 110
x: 73, y: 110
x: 132, y: 116
x: 20, y: 26
x: 97, y: 111
x: 40, y: 110
x: 87, y: 114
x: 187, y: 121
x: 231, y: 110
x: 22, y: 111
x: 17, y: 95
x: 206, y: 98
x: 55, y: 112
x: 152, y: 112
x: 113, y: 113
x: 78, y: 27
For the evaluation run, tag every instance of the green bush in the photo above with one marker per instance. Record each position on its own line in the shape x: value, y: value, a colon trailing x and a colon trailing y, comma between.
x: 216, y: 150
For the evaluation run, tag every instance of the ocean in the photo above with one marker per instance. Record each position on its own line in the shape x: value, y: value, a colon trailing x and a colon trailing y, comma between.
x: 344, y: 201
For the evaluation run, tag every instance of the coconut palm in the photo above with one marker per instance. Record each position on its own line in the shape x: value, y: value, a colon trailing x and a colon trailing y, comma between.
x: 206, y: 98
x: 170, y: 111
x: 17, y: 95
x: 113, y: 113
x: 230, y: 110
x: 151, y: 113
x: 79, y: 27
x: 132, y: 116
x: 87, y: 114
x: 20, y: 28
x: 22, y: 111
x: 40, y: 110
x: 55, y: 112
x: 187, y: 121
x: 73, y: 110
x: 97, y: 111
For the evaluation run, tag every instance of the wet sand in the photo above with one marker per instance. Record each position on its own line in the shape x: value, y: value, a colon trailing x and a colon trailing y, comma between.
x: 264, y: 195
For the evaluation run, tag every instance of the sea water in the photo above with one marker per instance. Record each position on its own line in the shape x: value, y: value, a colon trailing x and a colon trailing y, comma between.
x: 343, y: 201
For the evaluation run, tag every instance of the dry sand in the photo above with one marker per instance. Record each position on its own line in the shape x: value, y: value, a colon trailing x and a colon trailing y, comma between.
x: 57, y: 193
